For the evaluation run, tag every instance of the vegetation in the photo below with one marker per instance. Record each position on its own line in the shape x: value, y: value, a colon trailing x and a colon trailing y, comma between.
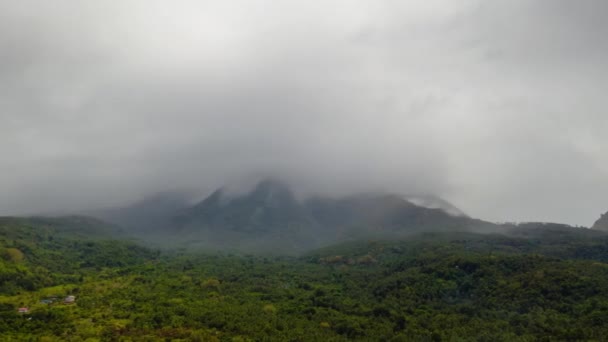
x: 546, y: 283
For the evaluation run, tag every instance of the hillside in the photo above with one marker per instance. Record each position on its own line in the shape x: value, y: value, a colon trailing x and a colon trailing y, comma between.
x: 536, y: 283
x: 40, y: 252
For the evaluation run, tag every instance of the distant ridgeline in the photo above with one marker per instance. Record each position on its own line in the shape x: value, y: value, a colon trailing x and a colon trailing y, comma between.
x: 271, y: 218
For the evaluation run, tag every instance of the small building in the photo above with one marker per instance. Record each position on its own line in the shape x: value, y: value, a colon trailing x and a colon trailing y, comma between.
x: 23, y: 310
x: 69, y: 300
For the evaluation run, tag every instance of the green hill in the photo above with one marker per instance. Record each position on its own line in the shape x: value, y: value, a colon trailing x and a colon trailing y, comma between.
x: 39, y: 252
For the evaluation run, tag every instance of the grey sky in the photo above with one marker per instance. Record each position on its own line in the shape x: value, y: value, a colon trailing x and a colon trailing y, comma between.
x: 497, y: 106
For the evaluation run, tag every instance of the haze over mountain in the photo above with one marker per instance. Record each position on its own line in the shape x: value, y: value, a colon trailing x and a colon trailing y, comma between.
x: 271, y: 217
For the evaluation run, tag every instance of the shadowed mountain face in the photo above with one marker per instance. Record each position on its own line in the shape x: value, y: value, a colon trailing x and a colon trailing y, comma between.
x: 271, y: 206
x: 271, y: 218
x: 601, y: 223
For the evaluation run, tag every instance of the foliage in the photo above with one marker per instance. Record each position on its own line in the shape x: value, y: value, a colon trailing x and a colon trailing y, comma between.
x: 432, y: 287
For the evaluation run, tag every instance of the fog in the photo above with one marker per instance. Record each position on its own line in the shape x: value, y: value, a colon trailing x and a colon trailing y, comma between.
x: 497, y: 107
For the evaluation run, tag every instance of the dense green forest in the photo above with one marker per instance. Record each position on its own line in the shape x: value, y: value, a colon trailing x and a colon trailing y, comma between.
x: 537, y: 282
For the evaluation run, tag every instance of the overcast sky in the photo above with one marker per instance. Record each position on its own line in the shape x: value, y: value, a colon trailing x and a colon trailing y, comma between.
x: 496, y: 106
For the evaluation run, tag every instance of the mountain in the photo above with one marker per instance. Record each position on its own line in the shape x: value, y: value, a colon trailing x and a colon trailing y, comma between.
x: 601, y: 223
x: 270, y: 217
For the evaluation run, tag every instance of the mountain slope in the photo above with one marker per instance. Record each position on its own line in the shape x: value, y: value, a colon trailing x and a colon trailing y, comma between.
x: 601, y: 223
x: 269, y: 207
x: 271, y: 217
x: 386, y: 213
x: 268, y: 218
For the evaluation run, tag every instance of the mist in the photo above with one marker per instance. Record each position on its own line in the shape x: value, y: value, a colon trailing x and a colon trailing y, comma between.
x: 498, y: 108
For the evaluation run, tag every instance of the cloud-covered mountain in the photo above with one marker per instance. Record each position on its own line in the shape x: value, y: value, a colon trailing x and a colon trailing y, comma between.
x: 271, y: 217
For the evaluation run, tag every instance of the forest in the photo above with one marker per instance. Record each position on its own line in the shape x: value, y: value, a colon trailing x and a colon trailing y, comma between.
x: 537, y: 283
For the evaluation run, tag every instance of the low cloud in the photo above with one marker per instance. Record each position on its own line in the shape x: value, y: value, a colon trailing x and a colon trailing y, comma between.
x: 497, y: 107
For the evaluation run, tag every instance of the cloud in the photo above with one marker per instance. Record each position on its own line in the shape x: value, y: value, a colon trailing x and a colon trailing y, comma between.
x: 495, y: 106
